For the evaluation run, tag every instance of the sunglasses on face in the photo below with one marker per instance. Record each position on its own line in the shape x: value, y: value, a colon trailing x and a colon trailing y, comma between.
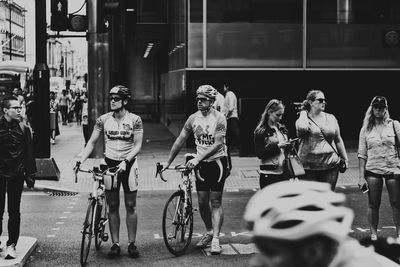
x: 201, y: 99
x: 115, y: 98
x: 320, y: 100
x: 16, y: 108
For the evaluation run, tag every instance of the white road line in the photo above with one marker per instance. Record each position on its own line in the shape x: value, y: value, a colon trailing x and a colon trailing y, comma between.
x: 70, y: 207
x: 66, y: 212
x: 71, y: 203
x: 51, y: 235
x: 55, y: 229
x: 59, y: 222
x: 63, y: 217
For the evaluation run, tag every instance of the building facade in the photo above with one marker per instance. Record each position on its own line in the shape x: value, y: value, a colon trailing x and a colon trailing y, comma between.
x: 264, y: 49
x: 12, y: 31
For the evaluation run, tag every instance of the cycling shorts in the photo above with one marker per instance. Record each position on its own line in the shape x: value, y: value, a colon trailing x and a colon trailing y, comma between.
x: 214, y: 175
x: 129, y: 178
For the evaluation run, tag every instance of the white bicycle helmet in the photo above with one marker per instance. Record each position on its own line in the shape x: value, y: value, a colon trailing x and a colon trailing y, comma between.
x: 120, y: 90
x: 295, y: 210
x: 208, y: 91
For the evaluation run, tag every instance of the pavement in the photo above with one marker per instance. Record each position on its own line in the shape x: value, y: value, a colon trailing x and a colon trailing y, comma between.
x: 157, y: 142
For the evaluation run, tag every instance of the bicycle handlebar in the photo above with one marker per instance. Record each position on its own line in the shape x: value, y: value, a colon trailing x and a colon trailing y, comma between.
x: 96, y: 171
x: 179, y: 167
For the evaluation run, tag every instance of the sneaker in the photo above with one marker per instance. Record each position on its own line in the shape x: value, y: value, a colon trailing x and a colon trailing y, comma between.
x: 374, y: 237
x: 132, y: 250
x: 115, y: 251
x: 10, y: 252
x: 215, y: 247
x: 204, y: 241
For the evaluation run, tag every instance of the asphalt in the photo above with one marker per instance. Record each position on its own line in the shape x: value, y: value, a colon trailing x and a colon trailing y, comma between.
x: 156, y: 145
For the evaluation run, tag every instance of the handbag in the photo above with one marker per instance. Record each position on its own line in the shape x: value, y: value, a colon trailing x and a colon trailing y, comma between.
x: 342, y: 162
x: 292, y: 165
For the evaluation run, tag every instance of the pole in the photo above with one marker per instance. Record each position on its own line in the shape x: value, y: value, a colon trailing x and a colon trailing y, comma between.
x: 41, y: 88
x: 98, y: 72
x: 9, y: 20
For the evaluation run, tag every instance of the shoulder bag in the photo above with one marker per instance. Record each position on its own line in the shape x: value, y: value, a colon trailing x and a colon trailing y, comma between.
x: 342, y: 162
x: 292, y: 166
x: 396, y: 141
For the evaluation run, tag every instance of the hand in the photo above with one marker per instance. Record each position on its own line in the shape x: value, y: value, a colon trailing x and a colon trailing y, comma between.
x: 361, y: 182
x: 121, y: 167
x: 284, y: 144
x: 30, y: 180
x: 165, y: 165
x: 192, y: 163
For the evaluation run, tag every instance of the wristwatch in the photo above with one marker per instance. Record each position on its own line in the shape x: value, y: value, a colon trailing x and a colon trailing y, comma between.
x: 126, y: 161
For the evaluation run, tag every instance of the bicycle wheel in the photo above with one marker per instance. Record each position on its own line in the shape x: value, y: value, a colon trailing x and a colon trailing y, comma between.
x: 177, y: 224
x: 100, y: 226
x: 87, y: 232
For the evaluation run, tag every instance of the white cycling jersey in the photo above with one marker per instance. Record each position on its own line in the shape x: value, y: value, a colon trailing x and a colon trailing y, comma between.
x: 119, y: 136
x: 205, y: 129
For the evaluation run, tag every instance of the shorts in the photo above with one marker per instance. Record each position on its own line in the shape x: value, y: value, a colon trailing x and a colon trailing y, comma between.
x: 128, y: 179
x: 386, y: 176
x: 214, y: 175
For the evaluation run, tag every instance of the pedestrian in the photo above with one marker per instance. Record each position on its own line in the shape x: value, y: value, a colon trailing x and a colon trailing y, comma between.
x: 78, y: 107
x: 305, y: 224
x: 321, y: 145
x: 17, y: 164
x: 270, y: 142
x: 208, y: 127
x: 379, y: 162
x: 85, y: 118
x: 54, y: 128
x: 232, y: 117
x: 64, y: 103
x: 219, y: 102
x: 123, y: 134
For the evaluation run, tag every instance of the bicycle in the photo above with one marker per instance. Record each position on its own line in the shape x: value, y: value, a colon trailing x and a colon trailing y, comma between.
x: 97, y: 210
x: 178, y: 211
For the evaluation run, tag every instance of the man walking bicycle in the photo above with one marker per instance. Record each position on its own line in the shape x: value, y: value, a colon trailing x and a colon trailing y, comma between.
x: 208, y: 127
x: 123, y: 135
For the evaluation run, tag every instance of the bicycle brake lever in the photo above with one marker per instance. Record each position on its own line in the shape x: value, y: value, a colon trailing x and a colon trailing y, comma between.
x: 159, y: 168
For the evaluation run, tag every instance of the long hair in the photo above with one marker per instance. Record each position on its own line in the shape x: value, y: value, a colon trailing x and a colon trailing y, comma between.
x: 273, y: 105
x: 369, y: 118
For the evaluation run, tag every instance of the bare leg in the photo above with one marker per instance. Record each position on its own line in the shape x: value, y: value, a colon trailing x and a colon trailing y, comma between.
x: 217, y: 212
x: 113, y: 214
x: 204, y: 207
x: 131, y: 215
x: 374, y: 195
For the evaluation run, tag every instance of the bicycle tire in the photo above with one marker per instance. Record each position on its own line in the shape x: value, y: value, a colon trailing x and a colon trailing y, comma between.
x: 101, y: 217
x: 174, y: 231
x: 87, y: 233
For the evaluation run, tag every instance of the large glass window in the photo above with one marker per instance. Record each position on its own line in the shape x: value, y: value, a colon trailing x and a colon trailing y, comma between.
x: 177, y: 34
x: 195, y: 34
x: 151, y: 11
x: 254, y: 33
x: 353, y: 33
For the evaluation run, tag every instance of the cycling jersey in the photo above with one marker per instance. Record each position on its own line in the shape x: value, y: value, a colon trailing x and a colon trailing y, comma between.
x: 205, y: 129
x: 119, y: 136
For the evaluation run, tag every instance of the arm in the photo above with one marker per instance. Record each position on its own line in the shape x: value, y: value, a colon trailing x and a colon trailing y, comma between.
x: 340, y: 144
x: 176, y: 147
x: 265, y: 149
x: 229, y: 104
x: 302, y: 124
x: 362, y: 156
x: 90, y: 145
x: 137, y: 145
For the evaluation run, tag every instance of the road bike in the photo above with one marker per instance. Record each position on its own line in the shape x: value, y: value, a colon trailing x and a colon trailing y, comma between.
x: 177, y: 219
x: 96, y: 218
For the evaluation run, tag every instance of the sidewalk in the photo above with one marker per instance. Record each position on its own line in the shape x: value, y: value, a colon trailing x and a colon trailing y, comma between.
x: 157, y: 142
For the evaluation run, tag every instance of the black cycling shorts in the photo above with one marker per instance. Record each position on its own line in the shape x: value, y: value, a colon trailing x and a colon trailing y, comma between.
x: 214, y: 175
x: 122, y: 177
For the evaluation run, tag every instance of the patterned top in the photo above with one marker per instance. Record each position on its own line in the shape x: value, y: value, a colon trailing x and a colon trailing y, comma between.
x: 314, y: 151
x: 119, y: 136
x: 378, y: 149
x: 205, y: 129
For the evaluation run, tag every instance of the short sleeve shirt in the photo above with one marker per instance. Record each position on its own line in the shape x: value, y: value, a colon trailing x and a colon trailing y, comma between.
x: 205, y: 129
x: 378, y: 149
x: 119, y: 136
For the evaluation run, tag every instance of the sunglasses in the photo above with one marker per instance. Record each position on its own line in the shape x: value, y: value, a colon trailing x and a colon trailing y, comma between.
x: 201, y: 99
x: 320, y: 100
x: 16, y: 108
x: 115, y: 98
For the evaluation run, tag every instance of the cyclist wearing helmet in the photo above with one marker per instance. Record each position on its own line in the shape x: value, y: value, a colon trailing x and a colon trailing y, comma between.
x: 305, y: 224
x: 123, y: 135
x: 208, y: 127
